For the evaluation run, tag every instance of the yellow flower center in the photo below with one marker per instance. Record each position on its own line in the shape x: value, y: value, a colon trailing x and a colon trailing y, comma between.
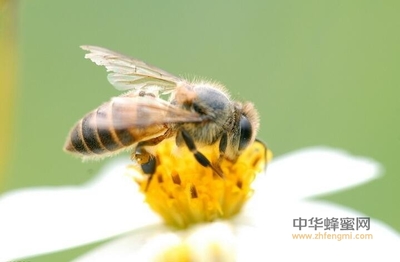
x: 184, y: 192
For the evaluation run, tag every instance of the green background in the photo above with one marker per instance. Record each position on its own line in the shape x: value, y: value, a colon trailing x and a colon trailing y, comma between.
x: 319, y: 72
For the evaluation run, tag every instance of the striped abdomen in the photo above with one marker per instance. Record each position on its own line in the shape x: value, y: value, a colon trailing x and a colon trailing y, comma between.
x: 109, y: 128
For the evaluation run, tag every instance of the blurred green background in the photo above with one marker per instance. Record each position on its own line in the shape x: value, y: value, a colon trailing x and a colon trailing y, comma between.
x: 320, y: 73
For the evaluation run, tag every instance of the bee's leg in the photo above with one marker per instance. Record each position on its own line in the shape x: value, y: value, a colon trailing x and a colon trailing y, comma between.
x: 147, y: 162
x: 156, y: 140
x: 141, y: 155
x: 202, y: 159
x: 223, y: 143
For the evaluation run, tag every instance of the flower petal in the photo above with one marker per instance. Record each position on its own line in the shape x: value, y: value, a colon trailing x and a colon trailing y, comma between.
x: 203, y: 242
x: 277, y: 201
x: 126, y: 247
x: 41, y: 220
x: 266, y: 239
x: 314, y: 171
x: 274, y: 233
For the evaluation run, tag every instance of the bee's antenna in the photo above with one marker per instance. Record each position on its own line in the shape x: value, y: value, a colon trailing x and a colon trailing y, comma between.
x: 265, y: 152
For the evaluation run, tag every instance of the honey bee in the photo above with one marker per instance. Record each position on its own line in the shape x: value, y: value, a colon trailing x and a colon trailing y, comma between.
x: 158, y: 106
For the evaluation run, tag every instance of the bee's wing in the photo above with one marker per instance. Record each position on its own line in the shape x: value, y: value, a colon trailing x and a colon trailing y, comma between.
x: 127, y: 73
x: 138, y: 112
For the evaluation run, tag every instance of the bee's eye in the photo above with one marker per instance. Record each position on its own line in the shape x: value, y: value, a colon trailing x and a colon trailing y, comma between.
x: 246, y: 132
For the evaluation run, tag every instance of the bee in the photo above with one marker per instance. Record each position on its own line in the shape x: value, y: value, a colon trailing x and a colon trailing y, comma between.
x: 157, y: 106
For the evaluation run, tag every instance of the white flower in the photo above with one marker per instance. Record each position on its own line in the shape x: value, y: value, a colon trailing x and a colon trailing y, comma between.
x: 41, y: 220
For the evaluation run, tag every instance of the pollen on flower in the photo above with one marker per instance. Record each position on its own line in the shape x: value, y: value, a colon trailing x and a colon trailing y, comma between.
x: 184, y: 192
